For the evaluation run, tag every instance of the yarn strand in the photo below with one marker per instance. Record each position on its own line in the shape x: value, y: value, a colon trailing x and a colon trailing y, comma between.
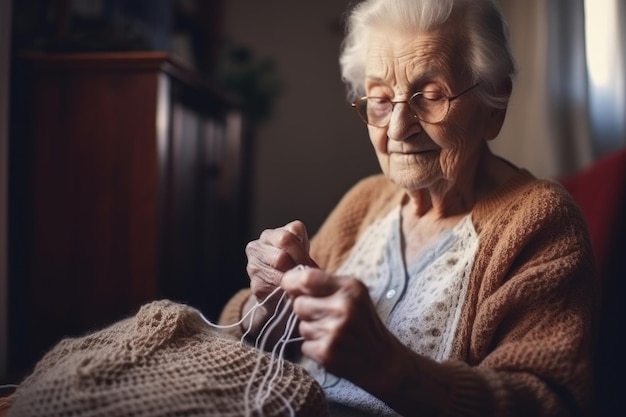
x: 267, y: 386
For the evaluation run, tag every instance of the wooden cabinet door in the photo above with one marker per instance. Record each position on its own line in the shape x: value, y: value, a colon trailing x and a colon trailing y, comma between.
x: 125, y: 194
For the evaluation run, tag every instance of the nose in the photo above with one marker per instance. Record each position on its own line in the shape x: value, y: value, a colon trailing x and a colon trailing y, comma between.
x: 403, y: 123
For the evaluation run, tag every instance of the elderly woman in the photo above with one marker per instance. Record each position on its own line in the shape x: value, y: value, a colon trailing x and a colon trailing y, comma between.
x: 454, y: 283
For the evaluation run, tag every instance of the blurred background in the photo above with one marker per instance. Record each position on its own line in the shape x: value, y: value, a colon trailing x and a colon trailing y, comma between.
x: 143, y: 143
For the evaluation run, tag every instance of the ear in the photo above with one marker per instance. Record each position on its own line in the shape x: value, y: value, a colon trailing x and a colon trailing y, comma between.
x: 496, y: 117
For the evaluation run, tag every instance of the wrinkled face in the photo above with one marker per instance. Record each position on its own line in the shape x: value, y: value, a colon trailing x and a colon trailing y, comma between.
x: 414, y: 154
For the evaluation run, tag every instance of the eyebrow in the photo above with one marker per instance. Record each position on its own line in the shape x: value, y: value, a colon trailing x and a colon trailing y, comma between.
x: 375, y: 79
x: 424, y: 77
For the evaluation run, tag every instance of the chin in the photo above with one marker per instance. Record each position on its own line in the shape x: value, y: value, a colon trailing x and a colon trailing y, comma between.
x: 411, y: 181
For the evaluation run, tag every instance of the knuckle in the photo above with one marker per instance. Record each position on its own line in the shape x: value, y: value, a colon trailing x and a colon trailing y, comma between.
x: 308, y: 278
x: 355, y: 288
x: 250, y: 248
x: 298, y: 229
x: 251, y: 269
x: 299, y: 308
x: 281, y: 260
x: 285, y: 239
x: 304, y: 328
x: 296, y: 226
x: 265, y: 235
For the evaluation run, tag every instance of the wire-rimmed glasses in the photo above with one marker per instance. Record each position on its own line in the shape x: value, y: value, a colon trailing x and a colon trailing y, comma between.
x: 428, y: 106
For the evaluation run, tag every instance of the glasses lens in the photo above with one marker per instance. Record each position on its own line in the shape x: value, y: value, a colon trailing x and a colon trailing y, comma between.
x: 374, y: 111
x: 429, y: 106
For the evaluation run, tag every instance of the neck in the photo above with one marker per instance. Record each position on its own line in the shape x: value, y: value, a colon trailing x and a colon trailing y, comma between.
x: 451, y: 198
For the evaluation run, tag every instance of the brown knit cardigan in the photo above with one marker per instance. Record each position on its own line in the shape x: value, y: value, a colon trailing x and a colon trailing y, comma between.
x: 523, y: 345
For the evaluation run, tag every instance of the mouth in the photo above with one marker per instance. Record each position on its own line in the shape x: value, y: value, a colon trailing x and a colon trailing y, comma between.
x: 408, y: 147
x: 414, y: 151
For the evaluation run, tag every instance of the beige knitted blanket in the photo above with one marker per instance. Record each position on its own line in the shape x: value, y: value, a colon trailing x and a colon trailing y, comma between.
x: 165, y: 361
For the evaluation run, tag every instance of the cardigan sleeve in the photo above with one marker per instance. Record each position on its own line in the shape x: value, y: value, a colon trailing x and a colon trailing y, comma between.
x: 528, y: 331
x: 233, y: 311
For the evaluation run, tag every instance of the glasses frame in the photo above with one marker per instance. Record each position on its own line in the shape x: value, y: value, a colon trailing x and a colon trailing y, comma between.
x: 450, y: 99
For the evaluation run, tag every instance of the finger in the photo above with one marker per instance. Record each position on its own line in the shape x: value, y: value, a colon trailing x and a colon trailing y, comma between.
x: 309, y: 281
x: 320, y: 346
x: 260, y: 287
x: 263, y: 278
x: 291, y: 250
x: 298, y: 229
x: 318, y: 309
x: 264, y: 255
x: 315, y: 348
x: 314, y: 330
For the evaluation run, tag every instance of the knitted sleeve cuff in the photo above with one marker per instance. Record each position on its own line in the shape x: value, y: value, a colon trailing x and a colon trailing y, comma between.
x: 6, y: 402
x: 469, y: 393
x: 232, y: 312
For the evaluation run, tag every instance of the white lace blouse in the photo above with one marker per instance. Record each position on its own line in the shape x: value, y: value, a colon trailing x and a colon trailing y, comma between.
x: 421, y: 304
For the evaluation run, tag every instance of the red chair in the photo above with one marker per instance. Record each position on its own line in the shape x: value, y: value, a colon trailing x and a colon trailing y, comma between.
x: 600, y: 191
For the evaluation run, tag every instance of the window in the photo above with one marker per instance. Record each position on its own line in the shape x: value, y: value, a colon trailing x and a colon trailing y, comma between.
x: 604, y: 44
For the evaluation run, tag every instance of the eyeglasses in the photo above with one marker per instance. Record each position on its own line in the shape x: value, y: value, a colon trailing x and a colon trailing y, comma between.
x: 428, y: 106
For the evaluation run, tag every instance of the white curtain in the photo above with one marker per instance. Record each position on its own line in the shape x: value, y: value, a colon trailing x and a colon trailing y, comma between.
x: 568, y: 106
x: 606, y: 40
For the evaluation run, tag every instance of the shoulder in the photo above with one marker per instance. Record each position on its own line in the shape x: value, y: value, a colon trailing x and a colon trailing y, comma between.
x: 528, y: 200
x: 535, y: 218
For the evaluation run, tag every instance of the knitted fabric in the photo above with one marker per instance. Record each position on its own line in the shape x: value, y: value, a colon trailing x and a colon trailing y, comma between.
x: 165, y: 361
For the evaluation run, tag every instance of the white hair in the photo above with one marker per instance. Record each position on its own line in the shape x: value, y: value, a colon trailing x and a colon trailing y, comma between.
x: 488, y: 53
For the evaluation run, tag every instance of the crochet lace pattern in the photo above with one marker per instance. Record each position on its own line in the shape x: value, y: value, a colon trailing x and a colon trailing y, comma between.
x: 165, y: 361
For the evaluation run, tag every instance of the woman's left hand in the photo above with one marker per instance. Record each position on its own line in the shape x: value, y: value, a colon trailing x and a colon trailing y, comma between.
x: 340, y: 326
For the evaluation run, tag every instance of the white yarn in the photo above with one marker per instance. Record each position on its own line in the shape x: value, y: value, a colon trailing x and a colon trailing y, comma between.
x: 273, y: 372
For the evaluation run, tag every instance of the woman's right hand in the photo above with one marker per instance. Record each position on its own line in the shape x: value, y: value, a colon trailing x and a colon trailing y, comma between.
x: 274, y: 253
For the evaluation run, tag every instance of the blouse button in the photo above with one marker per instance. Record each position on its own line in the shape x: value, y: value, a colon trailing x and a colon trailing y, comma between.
x: 390, y: 294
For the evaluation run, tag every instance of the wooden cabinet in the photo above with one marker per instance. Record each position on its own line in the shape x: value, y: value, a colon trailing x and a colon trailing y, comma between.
x: 128, y: 183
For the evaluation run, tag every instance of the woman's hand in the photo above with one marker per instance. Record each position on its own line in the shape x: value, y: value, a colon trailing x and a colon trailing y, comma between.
x: 340, y: 326
x: 274, y: 253
x: 269, y: 257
